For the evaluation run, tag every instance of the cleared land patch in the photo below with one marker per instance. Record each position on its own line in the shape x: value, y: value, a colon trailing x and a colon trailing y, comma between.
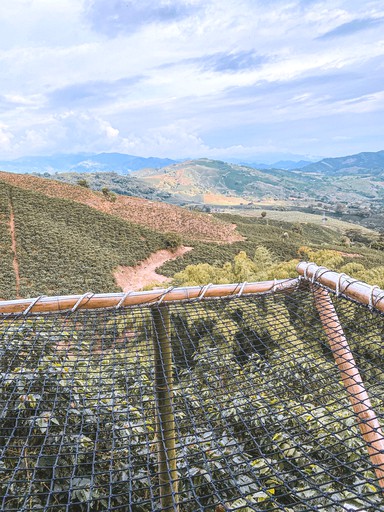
x: 144, y: 274
x: 302, y: 217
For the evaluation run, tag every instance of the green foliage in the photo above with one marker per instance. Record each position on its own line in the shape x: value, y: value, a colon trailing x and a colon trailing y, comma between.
x: 7, y: 274
x: 263, y: 420
x: 83, y: 183
x: 257, y: 233
x: 173, y: 241
x: 64, y: 247
x: 108, y: 194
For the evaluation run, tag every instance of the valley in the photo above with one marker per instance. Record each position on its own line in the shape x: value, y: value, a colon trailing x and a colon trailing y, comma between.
x: 104, y: 231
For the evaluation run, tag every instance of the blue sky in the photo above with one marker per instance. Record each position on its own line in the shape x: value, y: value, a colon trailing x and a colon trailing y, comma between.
x: 247, y: 79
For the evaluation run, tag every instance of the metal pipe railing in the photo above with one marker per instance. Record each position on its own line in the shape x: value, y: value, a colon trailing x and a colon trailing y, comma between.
x: 153, y: 297
x: 343, y: 284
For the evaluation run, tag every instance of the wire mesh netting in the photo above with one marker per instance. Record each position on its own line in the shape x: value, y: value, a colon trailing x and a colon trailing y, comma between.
x: 262, y: 420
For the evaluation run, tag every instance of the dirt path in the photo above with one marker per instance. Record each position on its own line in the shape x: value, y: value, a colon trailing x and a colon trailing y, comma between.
x: 135, y: 278
x: 15, y: 262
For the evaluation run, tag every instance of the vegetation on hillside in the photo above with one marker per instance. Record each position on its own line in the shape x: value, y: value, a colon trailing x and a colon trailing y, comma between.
x: 282, y: 239
x: 7, y: 274
x: 65, y: 247
x: 263, y: 266
x: 197, y: 178
x: 161, y: 217
x: 127, y: 185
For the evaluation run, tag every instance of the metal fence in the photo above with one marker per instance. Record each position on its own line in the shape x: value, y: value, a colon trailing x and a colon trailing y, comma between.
x: 263, y: 396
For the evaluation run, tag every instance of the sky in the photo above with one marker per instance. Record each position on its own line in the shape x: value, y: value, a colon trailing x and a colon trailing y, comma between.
x: 252, y: 80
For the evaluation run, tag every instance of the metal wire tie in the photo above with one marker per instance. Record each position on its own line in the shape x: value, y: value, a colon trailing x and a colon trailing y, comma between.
x: 85, y: 295
x: 32, y: 304
x: 242, y: 289
x: 338, y: 284
x: 164, y: 294
x: 204, y: 291
x: 316, y: 274
x: 379, y: 298
x: 122, y: 300
x: 373, y: 288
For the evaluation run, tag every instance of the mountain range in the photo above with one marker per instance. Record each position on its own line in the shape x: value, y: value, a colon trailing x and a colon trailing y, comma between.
x: 218, y: 183
x: 83, y: 162
x: 366, y: 162
x: 124, y: 163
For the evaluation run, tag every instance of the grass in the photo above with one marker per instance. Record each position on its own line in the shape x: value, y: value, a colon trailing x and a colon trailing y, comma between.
x: 302, y: 217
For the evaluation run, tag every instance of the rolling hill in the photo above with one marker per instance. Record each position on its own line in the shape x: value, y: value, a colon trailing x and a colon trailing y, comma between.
x: 124, y: 184
x: 219, y: 183
x: 371, y: 163
x: 161, y: 217
x: 57, y: 238
x: 54, y: 246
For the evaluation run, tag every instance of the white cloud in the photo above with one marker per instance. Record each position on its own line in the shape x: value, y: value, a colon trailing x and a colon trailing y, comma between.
x: 185, y: 77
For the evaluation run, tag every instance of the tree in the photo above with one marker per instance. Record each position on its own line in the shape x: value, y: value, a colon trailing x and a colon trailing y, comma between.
x: 83, y: 183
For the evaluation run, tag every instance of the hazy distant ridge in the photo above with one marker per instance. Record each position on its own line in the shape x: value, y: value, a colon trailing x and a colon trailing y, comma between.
x: 352, y: 164
x: 83, y: 162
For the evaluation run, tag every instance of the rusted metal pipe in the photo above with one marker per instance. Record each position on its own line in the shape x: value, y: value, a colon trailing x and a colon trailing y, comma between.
x: 369, y: 425
x: 111, y: 300
x: 165, y: 419
x: 348, y: 286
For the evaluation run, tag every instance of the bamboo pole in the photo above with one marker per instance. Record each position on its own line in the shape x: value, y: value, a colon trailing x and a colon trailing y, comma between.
x: 367, y: 420
x: 111, y: 300
x: 165, y: 420
x: 352, y: 288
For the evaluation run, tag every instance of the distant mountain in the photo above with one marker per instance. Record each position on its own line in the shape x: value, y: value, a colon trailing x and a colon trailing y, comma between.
x: 221, y: 183
x: 371, y: 163
x: 281, y: 164
x: 224, y: 184
x: 83, y: 162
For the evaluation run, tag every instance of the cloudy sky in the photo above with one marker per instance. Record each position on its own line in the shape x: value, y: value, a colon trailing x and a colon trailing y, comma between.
x: 247, y: 79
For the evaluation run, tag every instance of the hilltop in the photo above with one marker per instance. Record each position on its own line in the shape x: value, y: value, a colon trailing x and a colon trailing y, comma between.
x: 362, y: 163
x: 220, y: 183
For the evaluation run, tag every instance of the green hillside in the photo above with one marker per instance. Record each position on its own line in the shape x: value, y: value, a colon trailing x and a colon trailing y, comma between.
x: 127, y: 185
x: 65, y: 247
x: 282, y: 239
x: 213, y: 182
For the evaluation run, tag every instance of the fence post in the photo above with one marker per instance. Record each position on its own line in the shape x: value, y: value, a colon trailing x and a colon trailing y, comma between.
x: 367, y: 420
x: 165, y: 420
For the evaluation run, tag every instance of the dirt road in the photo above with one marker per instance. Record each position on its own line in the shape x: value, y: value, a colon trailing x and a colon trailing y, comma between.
x: 136, y: 278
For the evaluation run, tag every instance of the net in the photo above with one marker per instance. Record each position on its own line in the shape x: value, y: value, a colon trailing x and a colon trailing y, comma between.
x: 215, y: 405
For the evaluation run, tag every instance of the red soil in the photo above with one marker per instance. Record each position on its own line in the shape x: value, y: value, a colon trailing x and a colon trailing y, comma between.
x: 15, y: 262
x: 144, y: 274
